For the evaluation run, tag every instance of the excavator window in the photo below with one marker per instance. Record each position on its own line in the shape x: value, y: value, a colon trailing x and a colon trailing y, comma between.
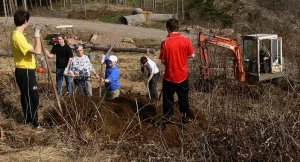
x: 250, y: 56
x: 265, y: 57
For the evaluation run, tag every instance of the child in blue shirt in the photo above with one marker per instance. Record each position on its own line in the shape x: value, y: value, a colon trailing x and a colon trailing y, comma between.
x: 112, y: 83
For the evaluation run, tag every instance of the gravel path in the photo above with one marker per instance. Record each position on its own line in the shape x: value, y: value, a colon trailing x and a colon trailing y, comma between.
x: 117, y: 31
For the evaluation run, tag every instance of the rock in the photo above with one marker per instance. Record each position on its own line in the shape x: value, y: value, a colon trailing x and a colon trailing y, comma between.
x: 128, y: 40
x: 72, y: 41
x: 94, y: 37
x: 192, y: 29
x: 227, y: 32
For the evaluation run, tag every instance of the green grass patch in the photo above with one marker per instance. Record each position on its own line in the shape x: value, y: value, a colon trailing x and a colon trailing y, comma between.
x: 155, y: 25
x: 113, y: 17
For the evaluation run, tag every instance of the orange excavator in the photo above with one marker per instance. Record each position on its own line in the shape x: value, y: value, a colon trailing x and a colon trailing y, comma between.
x: 260, y: 60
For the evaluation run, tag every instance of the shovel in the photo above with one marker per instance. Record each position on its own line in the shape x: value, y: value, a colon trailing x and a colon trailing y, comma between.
x: 148, y: 90
x: 101, y: 68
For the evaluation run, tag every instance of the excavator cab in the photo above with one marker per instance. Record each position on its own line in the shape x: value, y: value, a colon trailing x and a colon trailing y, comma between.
x: 262, y: 55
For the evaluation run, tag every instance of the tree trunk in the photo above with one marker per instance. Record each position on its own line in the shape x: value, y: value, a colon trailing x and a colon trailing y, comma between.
x: 97, y: 47
x: 36, y: 6
x: 65, y: 3
x: 4, y: 8
x: 5, y: 52
x: 153, y: 6
x: 25, y: 5
x: 11, y: 7
x: 31, y: 6
x: 51, y: 7
x: 177, y: 9
x: 182, y: 10
x: 173, y: 7
x: 16, y: 4
x: 163, y: 6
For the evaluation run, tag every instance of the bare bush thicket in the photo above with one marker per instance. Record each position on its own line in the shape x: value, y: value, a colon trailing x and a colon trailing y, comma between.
x: 234, y: 122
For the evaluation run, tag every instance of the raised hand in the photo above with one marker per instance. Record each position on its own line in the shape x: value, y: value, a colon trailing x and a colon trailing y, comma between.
x: 37, y: 31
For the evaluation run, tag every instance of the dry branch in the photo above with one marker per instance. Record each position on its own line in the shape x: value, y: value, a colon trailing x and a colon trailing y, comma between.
x: 5, y: 53
x: 141, y: 50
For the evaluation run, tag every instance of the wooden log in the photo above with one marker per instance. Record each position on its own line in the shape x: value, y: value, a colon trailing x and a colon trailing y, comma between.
x: 5, y: 53
x: 141, y: 50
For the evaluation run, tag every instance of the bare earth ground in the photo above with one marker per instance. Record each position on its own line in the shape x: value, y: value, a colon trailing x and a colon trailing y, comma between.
x: 130, y: 76
x: 235, y: 122
x: 108, y: 33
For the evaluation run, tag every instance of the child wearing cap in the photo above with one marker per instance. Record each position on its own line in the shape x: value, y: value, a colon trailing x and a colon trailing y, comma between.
x: 112, y: 83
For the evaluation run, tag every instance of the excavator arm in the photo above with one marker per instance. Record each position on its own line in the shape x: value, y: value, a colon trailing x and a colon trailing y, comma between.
x: 238, y: 66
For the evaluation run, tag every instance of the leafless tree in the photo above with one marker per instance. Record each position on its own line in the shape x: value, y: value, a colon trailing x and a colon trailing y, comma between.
x: 177, y: 4
x: 25, y: 5
x: 16, y: 4
x: 153, y: 5
x: 51, y: 7
x: 163, y: 6
x: 182, y: 10
x: 31, y: 6
x: 11, y: 9
x: 173, y: 5
x: 4, y: 8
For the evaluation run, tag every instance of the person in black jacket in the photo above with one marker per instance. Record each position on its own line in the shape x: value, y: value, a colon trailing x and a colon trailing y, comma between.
x: 63, y: 54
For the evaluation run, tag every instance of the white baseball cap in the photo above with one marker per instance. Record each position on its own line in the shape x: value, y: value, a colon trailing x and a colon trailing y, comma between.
x: 113, y: 58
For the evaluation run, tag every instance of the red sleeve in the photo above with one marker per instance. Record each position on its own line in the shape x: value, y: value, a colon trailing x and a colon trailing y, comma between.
x: 190, y: 47
x: 162, y: 51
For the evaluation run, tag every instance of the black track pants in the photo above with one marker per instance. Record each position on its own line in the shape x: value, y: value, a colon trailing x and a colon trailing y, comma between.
x: 182, y: 91
x: 29, y: 94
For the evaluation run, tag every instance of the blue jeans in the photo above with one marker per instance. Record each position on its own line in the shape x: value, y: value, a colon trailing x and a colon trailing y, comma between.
x: 153, y: 85
x: 59, y: 81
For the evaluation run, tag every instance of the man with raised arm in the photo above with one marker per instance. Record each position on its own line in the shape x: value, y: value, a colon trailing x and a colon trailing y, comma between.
x: 25, y: 57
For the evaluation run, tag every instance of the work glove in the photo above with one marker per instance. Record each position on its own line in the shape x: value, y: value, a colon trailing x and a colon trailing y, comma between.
x: 72, y: 74
x: 43, y: 62
x: 66, y: 71
x: 37, y: 31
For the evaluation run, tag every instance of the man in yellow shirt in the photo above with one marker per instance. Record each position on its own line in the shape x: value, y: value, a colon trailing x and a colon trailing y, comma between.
x: 24, y: 56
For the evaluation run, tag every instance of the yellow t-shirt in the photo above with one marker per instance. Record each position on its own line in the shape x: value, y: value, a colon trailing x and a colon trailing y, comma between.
x: 20, y: 49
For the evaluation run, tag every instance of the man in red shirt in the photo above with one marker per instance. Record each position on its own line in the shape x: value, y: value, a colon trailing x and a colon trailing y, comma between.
x: 175, y: 51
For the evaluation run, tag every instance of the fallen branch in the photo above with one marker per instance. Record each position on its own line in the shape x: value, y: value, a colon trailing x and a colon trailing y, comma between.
x: 97, y: 47
x: 5, y: 53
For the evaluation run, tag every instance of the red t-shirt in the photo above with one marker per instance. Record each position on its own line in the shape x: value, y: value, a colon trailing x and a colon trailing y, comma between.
x: 175, y: 50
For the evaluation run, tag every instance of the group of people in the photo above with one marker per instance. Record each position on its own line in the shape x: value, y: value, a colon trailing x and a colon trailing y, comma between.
x: 80, y: 68
x: 175, y: 51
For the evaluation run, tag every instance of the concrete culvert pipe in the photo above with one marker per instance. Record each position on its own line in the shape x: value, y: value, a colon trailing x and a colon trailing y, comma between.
x: 133, y: 19
x: 136, y: 11
x: 160, y: 17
